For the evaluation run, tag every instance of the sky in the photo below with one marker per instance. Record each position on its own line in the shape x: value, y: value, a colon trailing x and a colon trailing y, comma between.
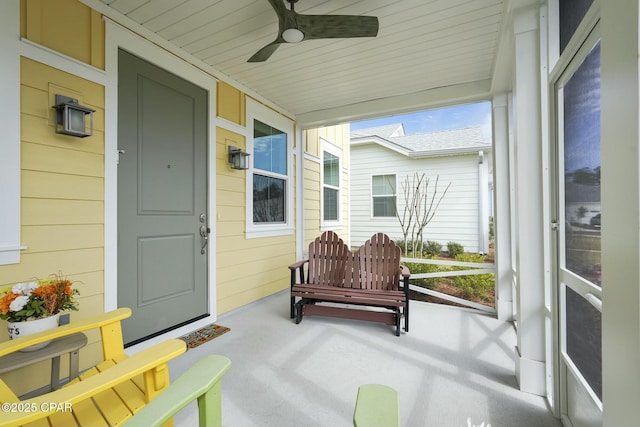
x: 456, y: 117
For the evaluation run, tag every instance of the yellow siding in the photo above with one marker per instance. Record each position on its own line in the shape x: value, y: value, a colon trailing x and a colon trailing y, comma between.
x: 230, y: 103
x: 66, y: 26
x: 339, y: 136
x: 51, y: 211
x: 311, y: 199
x: 62, y: 202
x: 246, y: 269
x: 312, y: 146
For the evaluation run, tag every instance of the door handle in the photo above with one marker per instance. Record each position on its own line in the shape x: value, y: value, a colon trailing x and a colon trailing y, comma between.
x: 204, y: 232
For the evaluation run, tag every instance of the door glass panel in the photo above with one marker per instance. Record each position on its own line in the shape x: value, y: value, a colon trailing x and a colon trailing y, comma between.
x: 580, y: 256
x: 584, y: 339
x: 582, y: 169
x: 571, y: 13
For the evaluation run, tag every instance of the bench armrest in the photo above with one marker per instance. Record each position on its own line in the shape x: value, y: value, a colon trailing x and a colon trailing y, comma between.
x: 201, y: 382
x: 404, y: 271
x: 105, y: 321
x: 298, y: 264
x: 153, y: 358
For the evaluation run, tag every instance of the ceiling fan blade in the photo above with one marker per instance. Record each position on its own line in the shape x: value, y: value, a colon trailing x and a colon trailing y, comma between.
x: 264, y: 53
x: 315, y: 27
x: 279, y: 7
x: 337, y: 26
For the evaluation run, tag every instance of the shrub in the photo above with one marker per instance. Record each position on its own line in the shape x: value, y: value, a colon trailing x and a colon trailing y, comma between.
x: 410, y: 246
x: 403, y: 246
x: 432, y: 248
x: 492, y: 233
x: 477, y: 285
x: 454, y: 249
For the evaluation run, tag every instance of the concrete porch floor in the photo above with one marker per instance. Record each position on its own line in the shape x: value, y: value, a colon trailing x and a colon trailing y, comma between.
x: 454, y: 365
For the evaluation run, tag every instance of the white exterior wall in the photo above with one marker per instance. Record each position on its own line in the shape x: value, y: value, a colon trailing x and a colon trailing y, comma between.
x: 457, y: 218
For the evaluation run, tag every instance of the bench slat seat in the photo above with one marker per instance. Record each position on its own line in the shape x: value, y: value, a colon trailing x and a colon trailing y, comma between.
x: 350, y: 296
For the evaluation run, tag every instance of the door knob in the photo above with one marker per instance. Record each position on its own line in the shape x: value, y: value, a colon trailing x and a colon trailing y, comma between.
x: 204, y: 232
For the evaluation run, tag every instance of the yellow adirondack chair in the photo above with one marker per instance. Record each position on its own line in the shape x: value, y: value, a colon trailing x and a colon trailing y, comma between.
x: 106, y: 395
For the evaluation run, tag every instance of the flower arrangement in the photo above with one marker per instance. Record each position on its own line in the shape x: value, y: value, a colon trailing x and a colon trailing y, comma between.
x: 36, y: 300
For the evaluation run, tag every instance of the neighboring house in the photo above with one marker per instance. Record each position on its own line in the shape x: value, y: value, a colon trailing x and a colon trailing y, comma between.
x: 382, y: 158
x: 121, y: 212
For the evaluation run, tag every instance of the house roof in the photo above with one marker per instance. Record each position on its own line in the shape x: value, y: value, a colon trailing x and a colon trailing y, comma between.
x: 387, y: 131
x: 447, y: 142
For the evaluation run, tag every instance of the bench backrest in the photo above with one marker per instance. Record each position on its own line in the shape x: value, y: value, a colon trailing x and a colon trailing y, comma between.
x: 376, y: 265
x: 379, y: 264
x: 330, y: 261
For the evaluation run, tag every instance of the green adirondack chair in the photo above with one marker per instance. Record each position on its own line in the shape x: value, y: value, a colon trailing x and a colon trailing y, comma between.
x: 202, y: 382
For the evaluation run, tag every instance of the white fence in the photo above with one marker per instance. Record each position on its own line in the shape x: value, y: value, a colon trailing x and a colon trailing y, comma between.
x: 474, y: 268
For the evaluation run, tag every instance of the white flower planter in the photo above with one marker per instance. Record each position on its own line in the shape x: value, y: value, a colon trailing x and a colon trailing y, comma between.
x: 21, y: 329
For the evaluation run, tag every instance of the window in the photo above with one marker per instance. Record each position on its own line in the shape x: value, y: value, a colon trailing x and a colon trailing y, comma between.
x: 330, y: 177
x: 269, y: 173
x: 383, y: 190
x: 269, y: 180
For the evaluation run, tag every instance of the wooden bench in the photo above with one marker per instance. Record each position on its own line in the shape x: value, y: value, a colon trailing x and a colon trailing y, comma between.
x: 370, y: 277
x: 105, y: 395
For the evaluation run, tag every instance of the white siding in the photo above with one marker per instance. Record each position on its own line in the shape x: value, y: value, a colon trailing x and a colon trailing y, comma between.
x: 457, y: 218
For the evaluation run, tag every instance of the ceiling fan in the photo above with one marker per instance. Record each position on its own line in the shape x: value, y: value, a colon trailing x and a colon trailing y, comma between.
x: 295, y: 27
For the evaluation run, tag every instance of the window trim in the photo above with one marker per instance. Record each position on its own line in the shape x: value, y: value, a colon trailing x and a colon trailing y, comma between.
x: 257, y: 111
x: 329, y: 147
x: 395, y: 175
x: 10, y: 218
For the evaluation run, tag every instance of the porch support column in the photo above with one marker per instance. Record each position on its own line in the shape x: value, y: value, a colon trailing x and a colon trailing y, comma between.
x: 483, y: 198
x: 502, y: 208
x: 620, y: 190
x: 530, y: 351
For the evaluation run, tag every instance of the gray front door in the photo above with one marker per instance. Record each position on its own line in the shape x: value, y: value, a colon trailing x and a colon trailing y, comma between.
x: 162, y: 199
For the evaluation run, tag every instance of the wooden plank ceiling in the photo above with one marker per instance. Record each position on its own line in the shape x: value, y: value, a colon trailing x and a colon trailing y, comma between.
x: 421, y: 45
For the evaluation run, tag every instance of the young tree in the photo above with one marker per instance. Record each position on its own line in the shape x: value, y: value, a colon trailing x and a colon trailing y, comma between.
x: 419, y: 209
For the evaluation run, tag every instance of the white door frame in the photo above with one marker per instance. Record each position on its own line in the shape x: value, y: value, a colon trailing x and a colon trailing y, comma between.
x: 575, y: 391
x: 117, y: 37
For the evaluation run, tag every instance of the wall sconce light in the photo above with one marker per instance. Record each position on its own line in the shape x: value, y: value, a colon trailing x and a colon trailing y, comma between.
x: 71, y: 117
x: 238, y: 158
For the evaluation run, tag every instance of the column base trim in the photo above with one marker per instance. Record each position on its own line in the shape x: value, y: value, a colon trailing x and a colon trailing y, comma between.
x: 530, y: 375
